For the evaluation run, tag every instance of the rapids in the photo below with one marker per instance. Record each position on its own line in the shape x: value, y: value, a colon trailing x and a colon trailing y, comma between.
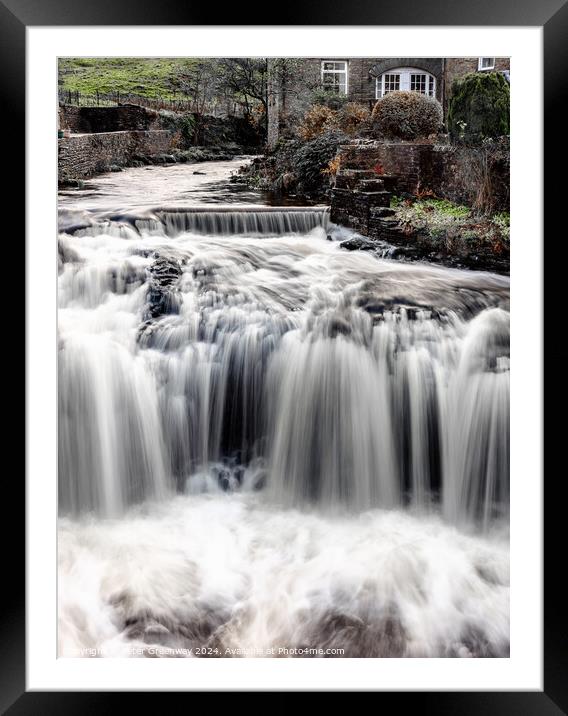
x: 266, y: 441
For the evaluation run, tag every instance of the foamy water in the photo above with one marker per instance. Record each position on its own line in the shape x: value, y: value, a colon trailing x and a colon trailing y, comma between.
x: 270, y: 445
x: 230, y: 575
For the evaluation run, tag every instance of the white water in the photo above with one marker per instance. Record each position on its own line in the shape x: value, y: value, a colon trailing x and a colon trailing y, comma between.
x: 229, y: 572
x: 335, y: 427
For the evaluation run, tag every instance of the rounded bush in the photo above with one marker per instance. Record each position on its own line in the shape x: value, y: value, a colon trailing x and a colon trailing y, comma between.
x: 479, y: 107
x: 406, y: 115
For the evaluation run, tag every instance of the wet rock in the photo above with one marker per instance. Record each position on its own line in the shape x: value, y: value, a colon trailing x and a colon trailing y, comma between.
x: 338, y: 326
x: 357, y: 244
x: 239, y: 474
x: 474, y: 642
x: 71, y: 220
x: 163, y: 294
x: 288, y: 180
x: 363, y: 634
x: 260, y: 482
x: 143, y: 252
x: 71, y: 184
x: 224, y: 480
x: 66, y: 254
x: 163, y: 159
x: 202, y: 268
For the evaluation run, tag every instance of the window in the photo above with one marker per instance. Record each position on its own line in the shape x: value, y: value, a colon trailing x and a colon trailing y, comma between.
x: 391, y: 83
x: 486, y: 63
x: 334, y: 76
x: 406, y: 78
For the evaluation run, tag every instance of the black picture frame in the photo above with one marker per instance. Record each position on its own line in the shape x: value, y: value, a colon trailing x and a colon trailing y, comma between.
x: 552, y: 15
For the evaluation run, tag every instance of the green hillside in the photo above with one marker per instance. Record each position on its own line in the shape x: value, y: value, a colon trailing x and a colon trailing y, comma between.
x: 148, y: 77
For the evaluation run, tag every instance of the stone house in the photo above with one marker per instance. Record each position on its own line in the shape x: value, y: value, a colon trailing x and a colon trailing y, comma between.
x: 295, y: 83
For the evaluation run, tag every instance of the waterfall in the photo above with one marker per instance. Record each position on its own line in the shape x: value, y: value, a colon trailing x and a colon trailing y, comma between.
x: 111, y: 442
x: 241, y: 350
x: 272, y: 222
x: 224, y: 221
x: 268, y: 445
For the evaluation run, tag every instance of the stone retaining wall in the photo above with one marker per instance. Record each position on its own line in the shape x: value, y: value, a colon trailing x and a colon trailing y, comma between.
x: 449, y: 171
x: 88, y: 120
x: 371, y: 173
x: 82, y: 155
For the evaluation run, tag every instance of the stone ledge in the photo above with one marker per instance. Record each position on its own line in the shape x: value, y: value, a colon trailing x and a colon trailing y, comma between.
x: 82, y: 155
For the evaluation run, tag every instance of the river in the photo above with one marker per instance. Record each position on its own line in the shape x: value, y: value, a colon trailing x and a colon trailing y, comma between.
x: 270, y: 446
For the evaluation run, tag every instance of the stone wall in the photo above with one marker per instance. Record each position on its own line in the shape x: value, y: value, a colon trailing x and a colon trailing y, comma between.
x: 408, y: 162
x: 82, y: 155
x: 128, y: 117
x: 454, y: 174
x: 370, y: 174
x: 449, y: 171
x: 87, y: 120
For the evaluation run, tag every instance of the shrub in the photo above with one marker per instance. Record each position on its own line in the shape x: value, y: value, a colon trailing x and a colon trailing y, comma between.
x: 502, y: 222
x: 187, y: 127
x: 332, y: 167
x: 328, y: 99
x: 479, y: 107
x: 311, y: 158
x: 352, y: 117
x: 406, y: 115
x: 184, y: 124
x: 489, y: 167
x: 317, y: 120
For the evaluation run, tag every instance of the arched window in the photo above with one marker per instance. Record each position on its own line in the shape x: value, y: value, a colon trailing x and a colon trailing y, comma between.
x: 406, y: 78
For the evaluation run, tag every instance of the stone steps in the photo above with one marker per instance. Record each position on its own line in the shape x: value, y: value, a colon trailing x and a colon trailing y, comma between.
x: 371, y: 185
x: 361, y: 195
x: 381, y: 212
x: 357, y: 173
x: 359, y: 178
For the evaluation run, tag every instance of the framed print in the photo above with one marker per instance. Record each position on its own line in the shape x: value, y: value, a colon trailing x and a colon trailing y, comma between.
x: 284, y: 378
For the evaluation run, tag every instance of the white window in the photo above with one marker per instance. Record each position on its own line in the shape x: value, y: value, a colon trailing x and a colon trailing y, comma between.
x: 406, y: 78
x: 486, y: 63
x: 334, y: 76
x: 391, y: 83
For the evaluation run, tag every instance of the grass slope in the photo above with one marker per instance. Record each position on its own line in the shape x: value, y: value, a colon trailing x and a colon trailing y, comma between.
x: 148, y: 77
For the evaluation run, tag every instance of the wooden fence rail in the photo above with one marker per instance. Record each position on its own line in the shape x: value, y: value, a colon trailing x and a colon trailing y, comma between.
x: 173, y: 104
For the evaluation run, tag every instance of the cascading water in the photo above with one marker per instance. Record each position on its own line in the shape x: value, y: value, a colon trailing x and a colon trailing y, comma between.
x: 275, y: 419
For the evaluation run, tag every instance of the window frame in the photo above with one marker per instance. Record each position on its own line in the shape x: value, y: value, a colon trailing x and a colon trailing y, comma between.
x: 404, y: 84
x: 345, y: 71
x: 480, y: 66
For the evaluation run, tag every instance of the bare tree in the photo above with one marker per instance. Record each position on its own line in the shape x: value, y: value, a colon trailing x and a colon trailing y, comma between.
x: 246, y: 79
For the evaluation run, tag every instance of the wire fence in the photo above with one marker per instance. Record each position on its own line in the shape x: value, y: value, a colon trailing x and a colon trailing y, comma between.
x: 173, y: 104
